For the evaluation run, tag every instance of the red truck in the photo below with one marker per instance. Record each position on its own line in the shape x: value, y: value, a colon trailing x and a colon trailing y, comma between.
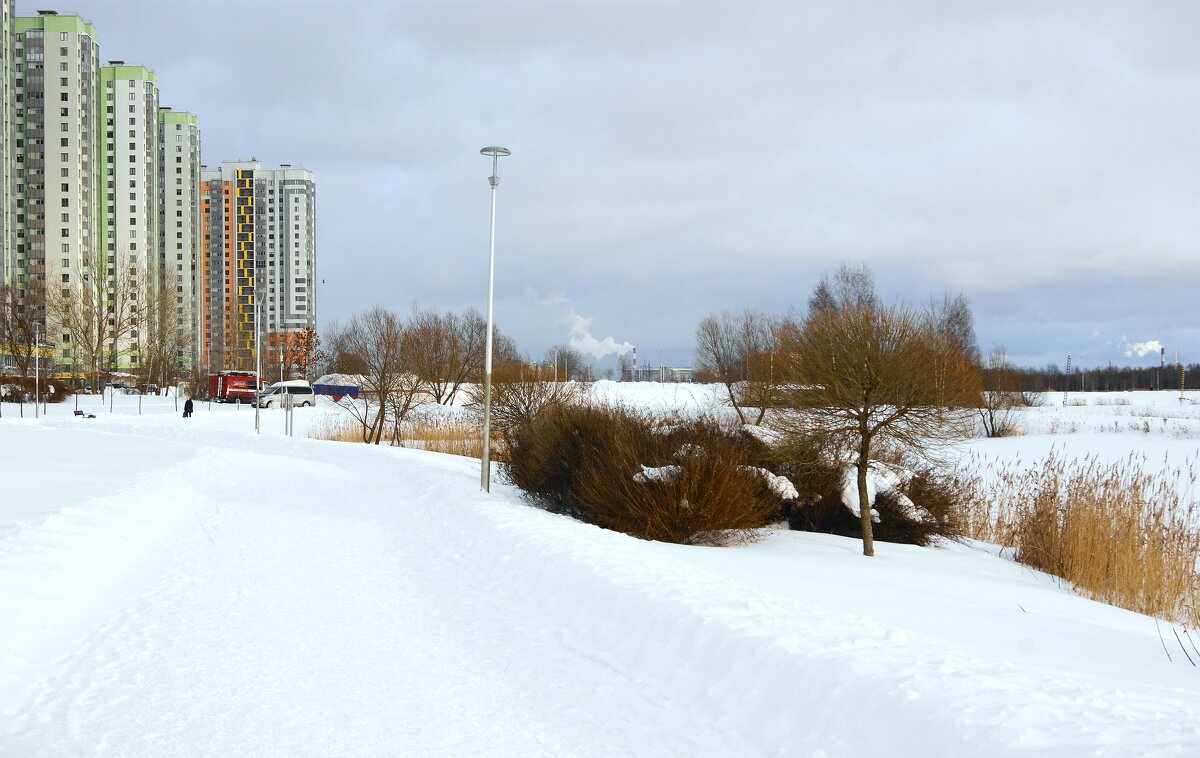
x: 233, y: 386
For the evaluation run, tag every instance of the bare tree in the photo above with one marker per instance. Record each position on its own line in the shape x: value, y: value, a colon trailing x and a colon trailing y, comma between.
x: 126, y: 282
x: 98, y: 310
x: 81, y: 315
x: 850, y: 288
x: 624, y: 367
x: 739, y: 351
x: 449, y: 350
x: 1001, y: 395
x: 437, y: 350
x: 380, y: 345
x: 160, y: 336
x: 520, y: 392
x: 450, y: 346
x: 22, y: 315
x: 566, y: 363
x: 953, y: 319
x: 301, y: 354
x: 871, y: 376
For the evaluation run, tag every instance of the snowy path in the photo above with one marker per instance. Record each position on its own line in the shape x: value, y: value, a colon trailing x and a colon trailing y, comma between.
x: 203, y: 592
x: 283, y: 626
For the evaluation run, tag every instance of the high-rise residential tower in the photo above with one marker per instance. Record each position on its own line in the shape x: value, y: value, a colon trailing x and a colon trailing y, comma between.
x: 259, y: 245
x: 179, y: 215
x: 55, y: 145
x: 8, y: 239
x: 130, y: 208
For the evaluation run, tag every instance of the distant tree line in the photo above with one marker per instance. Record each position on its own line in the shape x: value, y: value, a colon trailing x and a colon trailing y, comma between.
x: 1051, y: 378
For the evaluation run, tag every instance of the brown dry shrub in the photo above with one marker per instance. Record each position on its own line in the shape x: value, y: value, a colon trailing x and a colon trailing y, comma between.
x: 818, y: 479
x: 587, y: 462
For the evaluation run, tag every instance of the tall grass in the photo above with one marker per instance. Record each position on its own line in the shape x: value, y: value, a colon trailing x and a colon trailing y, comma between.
x: 1116, y: 533
x: 454, y: 435
x: 336, y: 429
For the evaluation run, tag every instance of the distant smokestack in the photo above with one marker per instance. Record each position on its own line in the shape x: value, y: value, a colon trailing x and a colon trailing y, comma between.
x: 1162, y: 357
x: 633, y: 376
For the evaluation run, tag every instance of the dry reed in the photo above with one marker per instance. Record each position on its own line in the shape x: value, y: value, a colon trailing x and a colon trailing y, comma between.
x: 1116, y: 533
x: 454, y: 435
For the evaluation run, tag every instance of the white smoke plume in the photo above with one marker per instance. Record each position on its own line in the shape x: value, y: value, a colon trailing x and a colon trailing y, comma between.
x: 1141, y: 349
x: 583, y: 341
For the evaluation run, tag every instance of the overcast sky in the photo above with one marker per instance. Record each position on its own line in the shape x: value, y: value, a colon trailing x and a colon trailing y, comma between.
x: 675, y: 159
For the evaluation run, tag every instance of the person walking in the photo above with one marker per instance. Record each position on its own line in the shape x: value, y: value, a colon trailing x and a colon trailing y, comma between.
x: 187, y: 408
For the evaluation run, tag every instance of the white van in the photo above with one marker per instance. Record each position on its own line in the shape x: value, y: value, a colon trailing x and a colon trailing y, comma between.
x: 275, y: 395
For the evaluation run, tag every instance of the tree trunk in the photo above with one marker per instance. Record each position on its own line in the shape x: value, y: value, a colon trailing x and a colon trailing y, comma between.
x: 864, y: 498
x: 733, y: 401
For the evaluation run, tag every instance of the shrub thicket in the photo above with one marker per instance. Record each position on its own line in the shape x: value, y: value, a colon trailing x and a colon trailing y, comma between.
x: 618, y: 469
x: 17, y: 386
x: 820, y: 508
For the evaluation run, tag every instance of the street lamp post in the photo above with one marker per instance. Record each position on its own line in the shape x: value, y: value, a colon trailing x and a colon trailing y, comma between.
x: 485, y: 463
x: 257, y: 352
x: 37, y: 366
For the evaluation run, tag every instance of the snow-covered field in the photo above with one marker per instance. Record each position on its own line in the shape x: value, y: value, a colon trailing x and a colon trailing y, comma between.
x: 183, y: 587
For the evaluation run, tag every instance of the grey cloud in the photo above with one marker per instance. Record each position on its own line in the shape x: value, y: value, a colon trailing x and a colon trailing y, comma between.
x: 670, y: 160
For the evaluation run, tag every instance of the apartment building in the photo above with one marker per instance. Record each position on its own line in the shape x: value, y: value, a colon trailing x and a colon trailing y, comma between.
x: 55, y: 216
x: 8, y: 239
x: 259, y: 248
x: 179, y: 215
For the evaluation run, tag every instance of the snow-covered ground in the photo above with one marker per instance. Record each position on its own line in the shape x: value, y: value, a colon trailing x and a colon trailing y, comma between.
x: 185, y: 587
